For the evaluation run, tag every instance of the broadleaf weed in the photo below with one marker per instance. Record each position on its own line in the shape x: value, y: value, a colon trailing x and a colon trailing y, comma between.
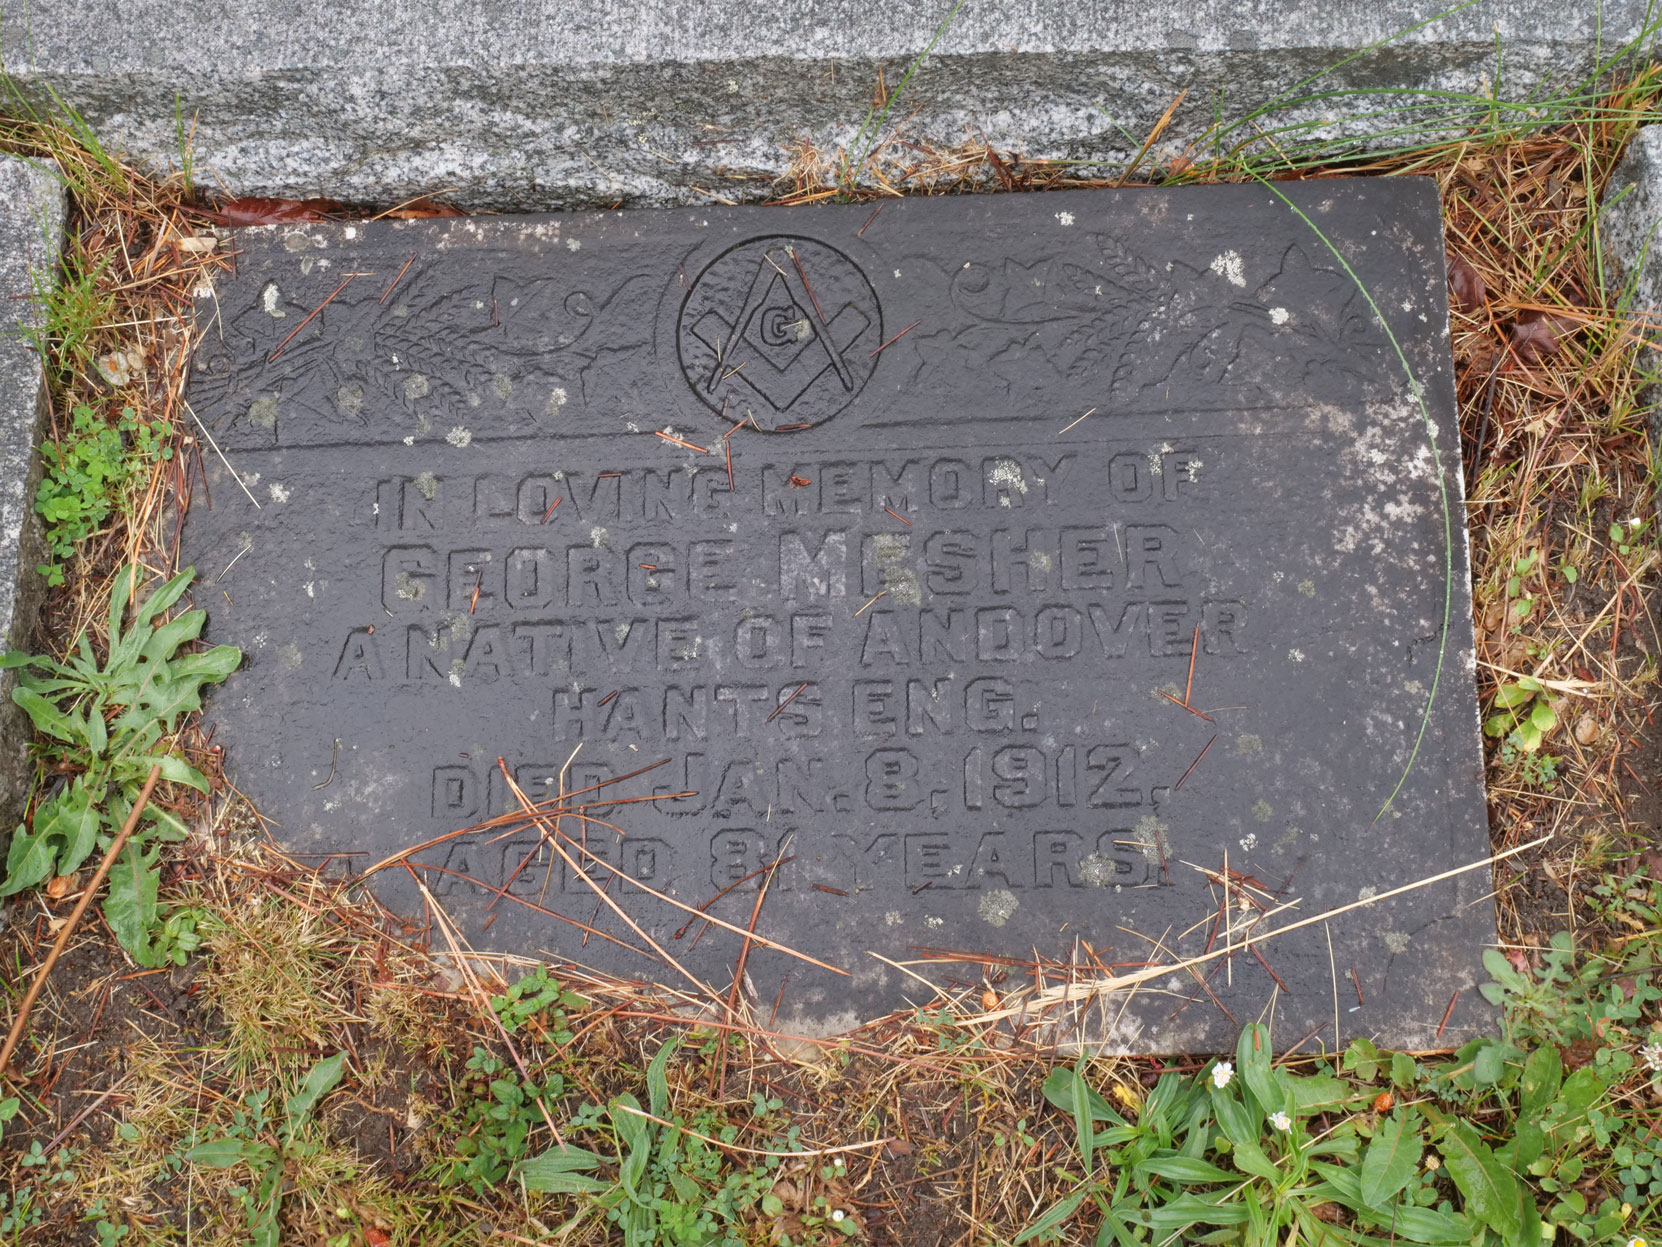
x: 1538, y: 1133
x: 106, y: 724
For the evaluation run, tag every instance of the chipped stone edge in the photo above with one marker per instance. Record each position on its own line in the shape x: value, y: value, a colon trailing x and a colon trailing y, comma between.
x: 33, y: 206
x: 1630, y: 253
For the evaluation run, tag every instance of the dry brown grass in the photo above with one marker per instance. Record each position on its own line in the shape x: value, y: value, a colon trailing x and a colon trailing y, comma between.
x: 273, y: 969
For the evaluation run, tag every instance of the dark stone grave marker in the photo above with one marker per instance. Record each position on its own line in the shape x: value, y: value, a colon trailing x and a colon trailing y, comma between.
x: 889, y: 534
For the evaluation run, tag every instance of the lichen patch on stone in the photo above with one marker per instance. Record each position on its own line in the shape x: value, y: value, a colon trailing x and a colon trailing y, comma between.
x: 262, y: 412
x: 1097, y: 870
x: 1229, y: 267
x: 1006, y: 474
x: 998, y: 906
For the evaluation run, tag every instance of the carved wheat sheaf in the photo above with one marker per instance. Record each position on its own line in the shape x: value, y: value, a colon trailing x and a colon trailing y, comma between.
x: 505, y: 356
x: 509, y: 352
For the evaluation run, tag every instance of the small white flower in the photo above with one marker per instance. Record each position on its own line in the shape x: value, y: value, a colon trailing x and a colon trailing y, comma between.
x: 1636, y: 1241
x: 1281, y: 1121
x: 1432, y: 1162
x: 837, y: 1214
x: 1222, y: 1072
x: 1651, y: 1055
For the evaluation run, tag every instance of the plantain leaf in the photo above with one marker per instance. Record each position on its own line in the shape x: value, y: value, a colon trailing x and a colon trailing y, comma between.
x: 1252, y: 1159
x: 1238, y: 1123
x: 556, y: 1171
x: 1055, y: 1216
x: 1252, y: 1058
x: 1058, y: 1089
x: 1319, y: 1092
x: 1179, y: 1214
x: 322, y: 1079
x: 1081, y: 1105
x: 657, y: 1080
x: 1186, y: 1169
x: 629, y: 1126
x: 1543, y: 1074
x: 1390, y: 1161
x: 219, y: 1153
x: 1423, y: 1225
x: 1492, y: 1192
x: 1489, y: 1064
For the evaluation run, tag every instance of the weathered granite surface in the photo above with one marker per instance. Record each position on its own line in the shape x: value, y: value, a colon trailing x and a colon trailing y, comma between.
x: 546, y: 103
x: 1630, y: 232
x: 31, y: 233
x: 883, y: 545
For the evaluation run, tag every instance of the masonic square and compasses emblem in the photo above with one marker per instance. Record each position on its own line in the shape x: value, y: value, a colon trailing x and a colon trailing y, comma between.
x: 780, y: 331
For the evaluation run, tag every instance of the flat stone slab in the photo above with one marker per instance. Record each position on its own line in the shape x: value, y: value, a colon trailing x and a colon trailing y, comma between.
x: 876, y: 542
x: 519, y: 105
x: 31, y: 237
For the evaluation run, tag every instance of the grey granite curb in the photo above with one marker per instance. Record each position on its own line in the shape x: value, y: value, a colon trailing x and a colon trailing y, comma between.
x: 1630, y: 236
x: 531, y: 104
x: 31, y: 236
